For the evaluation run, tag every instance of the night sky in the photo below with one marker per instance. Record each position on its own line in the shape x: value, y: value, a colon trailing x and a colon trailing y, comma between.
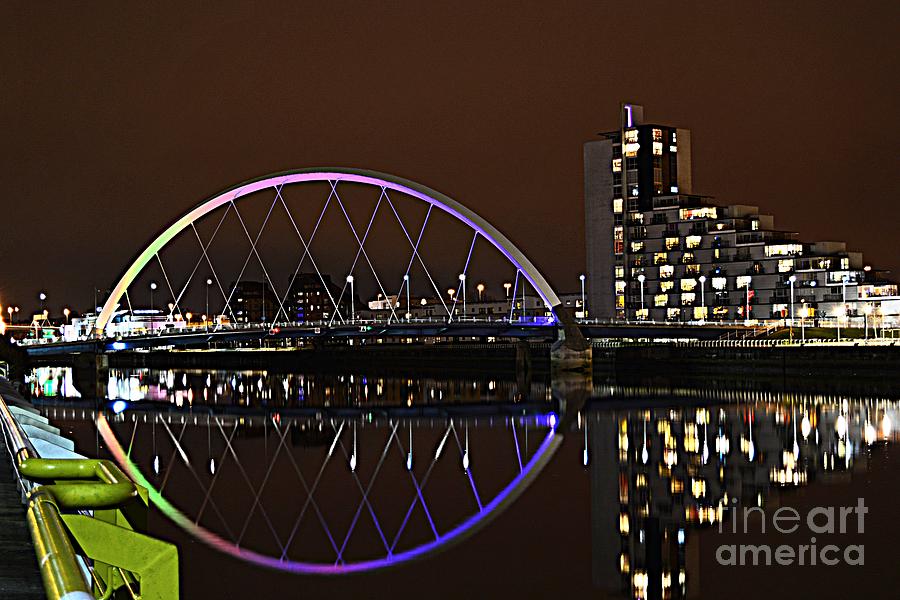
x: 116, y: 119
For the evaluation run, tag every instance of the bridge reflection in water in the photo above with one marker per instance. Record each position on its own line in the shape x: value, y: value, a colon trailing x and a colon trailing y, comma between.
x: 330, y: 474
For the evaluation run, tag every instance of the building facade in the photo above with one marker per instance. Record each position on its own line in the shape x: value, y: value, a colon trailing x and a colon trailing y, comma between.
x: 657, y: 251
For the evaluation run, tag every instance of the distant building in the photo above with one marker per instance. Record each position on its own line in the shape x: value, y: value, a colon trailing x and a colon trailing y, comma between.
x: 312, y: 298
x: 657, y: 251
x: 253, y: 302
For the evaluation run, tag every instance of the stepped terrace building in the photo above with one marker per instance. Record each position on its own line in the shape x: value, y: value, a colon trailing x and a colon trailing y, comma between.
x: 657, y: 251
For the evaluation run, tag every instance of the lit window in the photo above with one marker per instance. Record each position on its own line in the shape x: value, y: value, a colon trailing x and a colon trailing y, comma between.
x: 673, y: 149
x: 657, y: 135
x: 688, y: 298
x: 687, y: 258
x: 743, y: 281
x: 620, y: 287
x: 617, y: 205
x: 785, y: 265
x: 688, y: 285
x: 673, y: 314
x: 692, y: 269
x: 666, y: 285
x: 631, y: 143
x: 666, y: 272
x: 693, y: 241
x: 707, y: 212
x: 660, y: 258
x: 619, y: 240
x: 617, y: 165
x: 784, y: 250
x: 660, y: 299
x: 719, y: 283
x: 620, y: 272
x: 657, y: 148
x: 754, y: 224
x: 672, y: 243
x: 845, y: 263
x: 674, y: 137
x: 637, y: 246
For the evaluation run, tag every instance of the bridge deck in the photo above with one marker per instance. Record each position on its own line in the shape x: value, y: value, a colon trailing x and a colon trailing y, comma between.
x: 20, y: 578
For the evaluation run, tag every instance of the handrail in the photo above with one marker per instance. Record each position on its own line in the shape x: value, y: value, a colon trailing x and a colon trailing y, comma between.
x: 121, y: 556
x: 62, y: 575
x: 58, y: 562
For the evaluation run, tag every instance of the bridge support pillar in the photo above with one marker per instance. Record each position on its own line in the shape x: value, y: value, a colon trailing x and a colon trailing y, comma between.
x: 90, y: 374
x: 571, y: 351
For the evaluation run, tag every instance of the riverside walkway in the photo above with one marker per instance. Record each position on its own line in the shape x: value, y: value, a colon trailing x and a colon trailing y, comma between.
x: 20, y: 578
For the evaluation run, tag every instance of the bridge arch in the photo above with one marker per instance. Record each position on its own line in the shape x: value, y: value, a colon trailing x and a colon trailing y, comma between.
x: 333, y: 174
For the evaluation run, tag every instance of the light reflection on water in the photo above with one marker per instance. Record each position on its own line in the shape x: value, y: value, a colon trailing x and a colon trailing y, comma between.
x: 262, y: 388
x: 661, y: 463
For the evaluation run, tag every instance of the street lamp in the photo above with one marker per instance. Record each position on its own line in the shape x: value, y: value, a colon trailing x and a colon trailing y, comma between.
x: 10, y: 310
x: 43, y: 297
x: 867, y: 310
x: 352, y: 299
x: 208, y: 283
x: 462, y: 287
x: 507, y: 286
x: 67, y: 312
x: 804, y: 312
x: 747, y: 306
x: 843, y: 310
x: 583, y: 305
x: 703, y: 298
x: 408, y: 312
x: 792, y: 280
x: 152, y: 289
x: 451, y: 292
x: 188, y: 317
x: 480, y: 288
x: 642, y: 279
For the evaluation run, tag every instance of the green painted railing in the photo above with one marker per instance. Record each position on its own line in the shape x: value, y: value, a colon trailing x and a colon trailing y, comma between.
x: 122, y: 557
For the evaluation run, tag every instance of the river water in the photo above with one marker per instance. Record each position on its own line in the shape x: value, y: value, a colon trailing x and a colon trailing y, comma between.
x: 359, y: 485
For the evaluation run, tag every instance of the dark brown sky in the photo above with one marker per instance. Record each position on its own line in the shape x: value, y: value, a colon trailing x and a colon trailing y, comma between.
x: 117, y: 119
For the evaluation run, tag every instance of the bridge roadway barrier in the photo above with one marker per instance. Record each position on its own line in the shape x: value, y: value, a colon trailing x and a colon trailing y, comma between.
x: 74, y: 502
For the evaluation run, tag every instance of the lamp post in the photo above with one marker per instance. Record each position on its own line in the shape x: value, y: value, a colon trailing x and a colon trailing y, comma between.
x: 480, y: 288
x: 10, y: 310
x: 867, y: 310
x: 583, y: 304
x: 792, y: 280
x: 67, y: 312
x: 804, y: 312
x: 747, y: 305
x: 843, y: 311
x: 152, y: 289
x: 352, y: 299
x: 642, y: 279
x: 702, y: 298
x: 408, y: 312
x: 462, y: 287
x: 451, y: 293
x: 208, y: 283
x: 43, y: 298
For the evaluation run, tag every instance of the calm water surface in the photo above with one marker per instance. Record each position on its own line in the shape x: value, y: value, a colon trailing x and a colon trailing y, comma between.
x: 352, y: 485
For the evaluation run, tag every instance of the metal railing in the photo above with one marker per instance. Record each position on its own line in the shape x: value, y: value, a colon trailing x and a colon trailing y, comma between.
x: 95, y: 504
